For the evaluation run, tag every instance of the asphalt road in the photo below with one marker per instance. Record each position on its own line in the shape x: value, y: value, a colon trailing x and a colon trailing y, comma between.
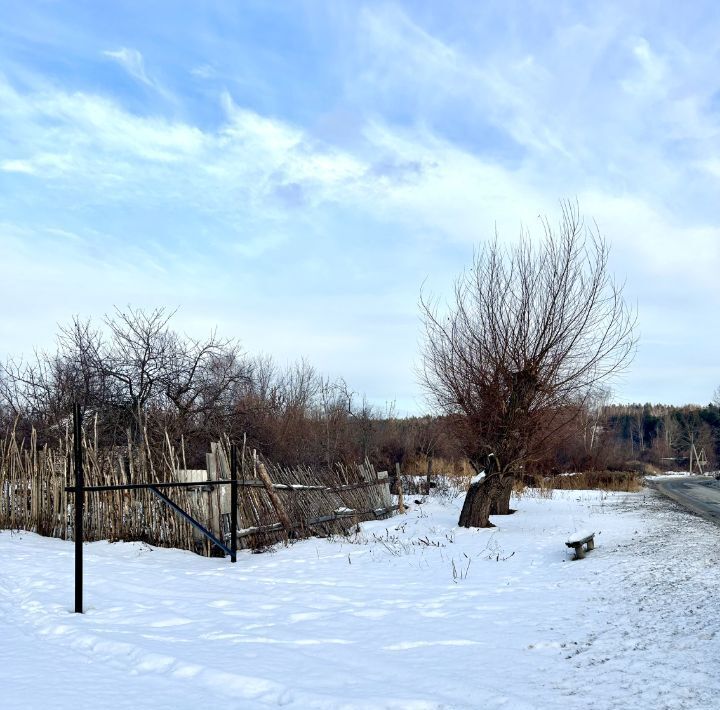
x: 700, y: 495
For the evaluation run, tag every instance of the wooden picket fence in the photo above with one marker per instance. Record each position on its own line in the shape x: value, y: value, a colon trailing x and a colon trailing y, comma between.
x: 275, y: 503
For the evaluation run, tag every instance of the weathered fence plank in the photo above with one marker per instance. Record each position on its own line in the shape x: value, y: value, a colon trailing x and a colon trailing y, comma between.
x: 294, y: 501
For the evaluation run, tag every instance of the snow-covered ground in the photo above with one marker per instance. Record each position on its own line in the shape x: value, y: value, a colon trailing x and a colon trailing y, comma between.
x: 409, y: 613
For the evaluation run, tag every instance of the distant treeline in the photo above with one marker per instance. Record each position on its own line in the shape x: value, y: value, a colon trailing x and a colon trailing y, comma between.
x: 662, y: 435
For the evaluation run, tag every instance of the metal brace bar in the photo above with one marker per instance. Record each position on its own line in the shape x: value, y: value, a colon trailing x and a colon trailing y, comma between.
x: 191, y: 520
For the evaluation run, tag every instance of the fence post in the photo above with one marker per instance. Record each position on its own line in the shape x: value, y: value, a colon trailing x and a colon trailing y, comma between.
x: 233, y: 502
x: 401, y: 503
x: 79, y: 506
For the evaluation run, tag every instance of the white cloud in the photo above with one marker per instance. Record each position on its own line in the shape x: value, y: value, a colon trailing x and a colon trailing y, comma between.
x: 651, y: 79
x: 18, y: 166
x: 41, y: 164
x: 132, y: 61
x: 409, y: 176
x: 453, y: 193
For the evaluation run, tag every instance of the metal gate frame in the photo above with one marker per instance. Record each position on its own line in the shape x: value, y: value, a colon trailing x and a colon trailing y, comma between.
x: 79, y: 490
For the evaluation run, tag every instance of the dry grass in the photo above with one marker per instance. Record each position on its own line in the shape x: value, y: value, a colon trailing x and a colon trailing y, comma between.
x: 456, y: 473
x: 441, y: 466
x: 625, y: 481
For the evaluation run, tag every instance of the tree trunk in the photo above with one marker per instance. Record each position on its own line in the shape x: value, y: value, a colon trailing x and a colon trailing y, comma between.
x: 476, y: 508
x: 500, y: 504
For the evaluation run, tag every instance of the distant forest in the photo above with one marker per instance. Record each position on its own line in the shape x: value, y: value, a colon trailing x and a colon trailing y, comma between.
x: 615, y: 437
x: 660, y: 435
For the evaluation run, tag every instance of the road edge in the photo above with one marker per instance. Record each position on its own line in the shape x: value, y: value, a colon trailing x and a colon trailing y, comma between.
x: 681, y: 500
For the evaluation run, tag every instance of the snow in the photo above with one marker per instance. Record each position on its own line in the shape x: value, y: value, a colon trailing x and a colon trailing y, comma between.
x: 580, y: 535
x: 477, y: 477
x: 410, y: 612
x: 669, y: 474
x: 681, y: 474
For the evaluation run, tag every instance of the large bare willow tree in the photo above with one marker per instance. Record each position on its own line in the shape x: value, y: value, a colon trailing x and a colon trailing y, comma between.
x: 532, y: 330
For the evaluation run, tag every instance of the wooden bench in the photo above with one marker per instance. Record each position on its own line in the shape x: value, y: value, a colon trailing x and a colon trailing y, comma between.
x: 582, y: 542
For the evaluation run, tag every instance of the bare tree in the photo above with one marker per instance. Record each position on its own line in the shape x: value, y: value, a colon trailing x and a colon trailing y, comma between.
x: 136, y: 365
x: 531, y: 331
x: 428, y: 434
x: 44, y: 387
x: 596, y: 401
x: 360, y: 418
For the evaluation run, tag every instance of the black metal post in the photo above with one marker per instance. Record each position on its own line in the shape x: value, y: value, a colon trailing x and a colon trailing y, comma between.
x: 233, y: 502
x: 79, y: 505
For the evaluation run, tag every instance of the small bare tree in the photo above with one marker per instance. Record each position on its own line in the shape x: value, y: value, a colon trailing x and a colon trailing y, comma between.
x: 530, y: 332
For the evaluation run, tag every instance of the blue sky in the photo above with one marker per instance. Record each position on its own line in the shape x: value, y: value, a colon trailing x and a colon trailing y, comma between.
x: 293, y: 172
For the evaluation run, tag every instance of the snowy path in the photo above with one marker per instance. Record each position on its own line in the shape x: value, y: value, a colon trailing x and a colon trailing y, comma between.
x: 658, y: 646
x: 411, y: 613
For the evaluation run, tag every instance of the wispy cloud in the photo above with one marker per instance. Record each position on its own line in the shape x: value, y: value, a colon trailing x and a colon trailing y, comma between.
x: 122, y: 155
x: 132, y: 61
